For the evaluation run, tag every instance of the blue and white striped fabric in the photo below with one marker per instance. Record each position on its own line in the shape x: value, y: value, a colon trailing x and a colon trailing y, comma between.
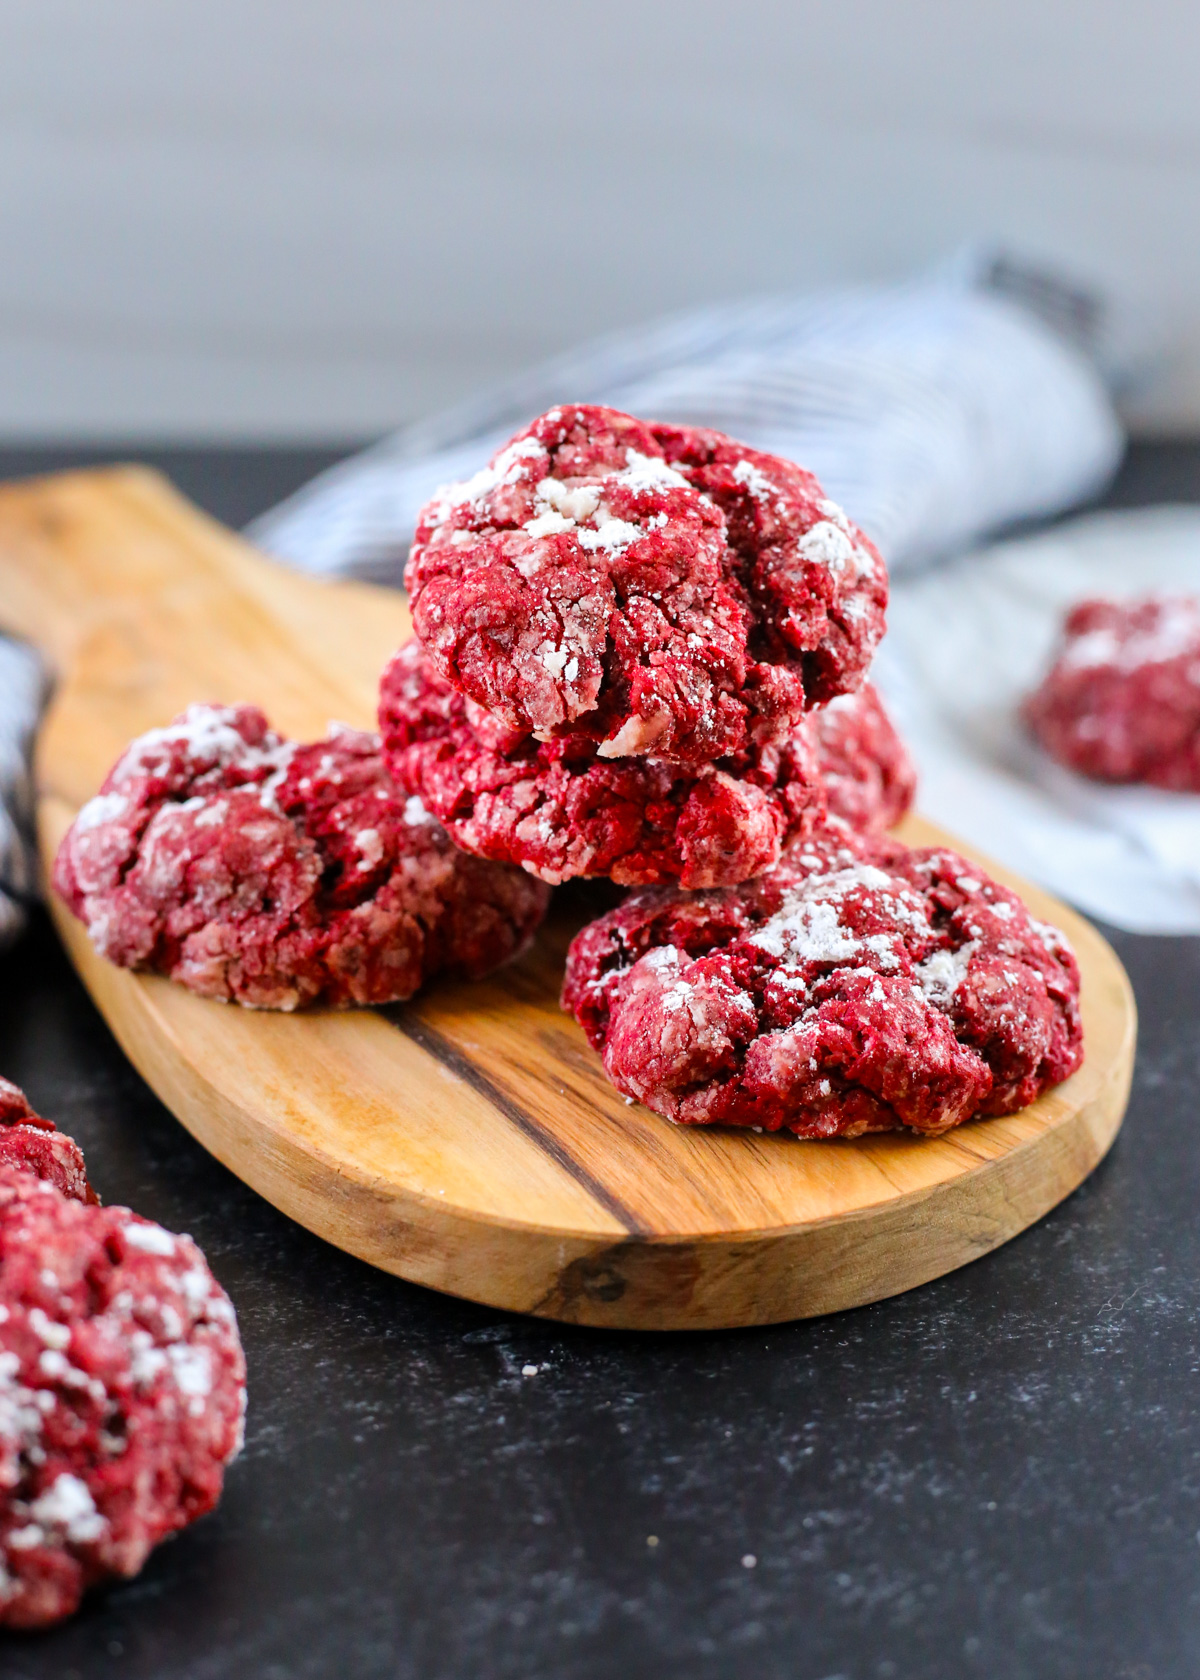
x: 22, y: 694
x: 934, y: 412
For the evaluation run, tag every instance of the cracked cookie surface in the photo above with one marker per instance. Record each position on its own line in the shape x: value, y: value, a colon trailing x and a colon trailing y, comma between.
x: 861, y: 986
x: 870, y: 780
x: 559, y: 810
x: 122, y: 1380
x: 664, y: 590
x: 272, y: 874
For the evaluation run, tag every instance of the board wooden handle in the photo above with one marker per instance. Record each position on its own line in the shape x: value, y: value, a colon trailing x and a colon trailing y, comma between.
x: 141, y: 605
x: 84, y: 551
x: 469, y: 1139
x: 63, y: 575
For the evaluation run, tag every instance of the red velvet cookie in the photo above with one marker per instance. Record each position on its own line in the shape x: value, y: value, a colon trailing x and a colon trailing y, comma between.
x: 122, y: 1391
x: 252, y: 869
x: 869, y: 778
x: 559, y: 810
x: 36, y: 1145
x: 1122, y: 700
x: 861, y: 986
x: 665, y: 591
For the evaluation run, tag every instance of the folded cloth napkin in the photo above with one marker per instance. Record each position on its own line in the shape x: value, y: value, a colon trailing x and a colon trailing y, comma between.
x: 963, y: 648
x: 934, y: 411
x: 22, y: 691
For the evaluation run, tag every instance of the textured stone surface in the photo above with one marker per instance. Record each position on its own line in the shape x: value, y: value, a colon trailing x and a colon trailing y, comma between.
x: 998, y: 1474
x: 995, y: 1474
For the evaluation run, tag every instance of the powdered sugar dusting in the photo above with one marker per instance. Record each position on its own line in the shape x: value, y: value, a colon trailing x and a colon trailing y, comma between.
x: 155, y: 1380
x: 756, y: 481
x: 572, y: 504
x: 808, y: 932
x: 104, y: 808
x: 472, y: 492
x: 613, y: 535
x: 68, y: 1505
x: 191, y: 1366
x: 649, y: 472
x: 830, y: 998
x: 563, y: 507
x: 941, y: 974
x: 368, y: 843
x: 415, y: 813
x: 151, y: 1239
x: 831, y: 510
x: 206, y: 738
x: 548, y: 524
x: 808, y: 927
x: 206, y: 734
x: 828, y: 546
x: 1176, y: 632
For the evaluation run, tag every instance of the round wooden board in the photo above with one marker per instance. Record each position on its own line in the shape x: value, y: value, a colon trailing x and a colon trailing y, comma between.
x: 469, y: 1141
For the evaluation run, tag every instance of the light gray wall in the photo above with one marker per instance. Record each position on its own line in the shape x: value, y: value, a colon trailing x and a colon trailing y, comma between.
x: 289, y: 218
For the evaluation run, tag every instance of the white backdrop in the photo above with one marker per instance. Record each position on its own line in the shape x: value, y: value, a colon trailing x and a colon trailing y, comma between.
x: 317, y: 218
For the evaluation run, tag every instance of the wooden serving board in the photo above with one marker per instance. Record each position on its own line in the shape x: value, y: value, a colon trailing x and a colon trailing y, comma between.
x: 469, y: 1140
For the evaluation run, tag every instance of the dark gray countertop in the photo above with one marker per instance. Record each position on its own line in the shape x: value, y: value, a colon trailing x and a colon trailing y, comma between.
x: 995, y: 1475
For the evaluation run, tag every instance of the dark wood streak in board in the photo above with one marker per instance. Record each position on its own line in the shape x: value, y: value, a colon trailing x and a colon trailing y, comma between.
x: 441, y: 1049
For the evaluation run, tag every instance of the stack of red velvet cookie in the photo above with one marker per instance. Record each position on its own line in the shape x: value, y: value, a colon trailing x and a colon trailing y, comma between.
x: 640, y: 653
x: 622, y: 629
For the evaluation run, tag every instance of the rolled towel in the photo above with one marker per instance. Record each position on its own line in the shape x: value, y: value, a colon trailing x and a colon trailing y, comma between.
x: 934, y: 411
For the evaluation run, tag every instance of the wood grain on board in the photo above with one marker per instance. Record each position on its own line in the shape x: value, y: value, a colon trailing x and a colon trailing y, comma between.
x: 469, y: 1140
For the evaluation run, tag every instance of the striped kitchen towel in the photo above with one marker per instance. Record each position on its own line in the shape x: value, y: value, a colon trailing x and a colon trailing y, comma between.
x: 934, y: 411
